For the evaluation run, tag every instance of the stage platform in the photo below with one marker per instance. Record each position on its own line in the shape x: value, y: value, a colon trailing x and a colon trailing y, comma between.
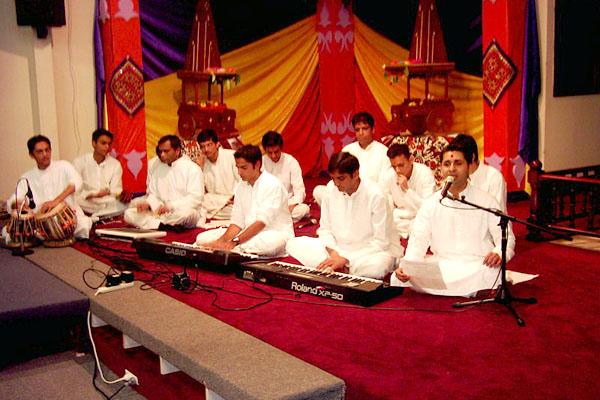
x: 230, y: 363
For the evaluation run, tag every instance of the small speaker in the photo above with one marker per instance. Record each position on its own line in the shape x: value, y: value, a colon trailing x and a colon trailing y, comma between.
x: 40, y: 14
x: 181, y: 281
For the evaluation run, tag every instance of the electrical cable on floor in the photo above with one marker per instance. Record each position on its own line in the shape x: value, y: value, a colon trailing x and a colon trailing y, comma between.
x: 97, y: 362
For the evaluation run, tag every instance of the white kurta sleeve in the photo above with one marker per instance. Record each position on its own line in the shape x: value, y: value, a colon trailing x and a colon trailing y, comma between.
x: 424, y: 189
x: 498, y: 189
x: 379, y: 220
x: 73, y: 176
x: 116, y: 180
x: 79, y: 165
x: 496, y: 232
x: 324, y: 232
x: 420, y: 234
x: 297, y: 182
x: 21, y: 190
x: 153, y: 198
x: 237, y: 212
x: 194, y: 190
x: 269, y: 202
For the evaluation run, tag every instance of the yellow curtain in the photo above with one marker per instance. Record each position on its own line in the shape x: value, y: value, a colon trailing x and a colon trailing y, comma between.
x: 275, y: 72
x: 373, y: 50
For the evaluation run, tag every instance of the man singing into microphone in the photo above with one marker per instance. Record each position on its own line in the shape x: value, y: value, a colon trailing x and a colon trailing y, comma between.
x: 460, y: 237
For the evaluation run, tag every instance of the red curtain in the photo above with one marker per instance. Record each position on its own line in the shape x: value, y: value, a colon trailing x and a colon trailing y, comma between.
x: 125, y: 88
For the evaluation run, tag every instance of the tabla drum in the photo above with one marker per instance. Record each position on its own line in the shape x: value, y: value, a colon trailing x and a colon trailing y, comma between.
x: 22, y: 225
x: 57, y: 226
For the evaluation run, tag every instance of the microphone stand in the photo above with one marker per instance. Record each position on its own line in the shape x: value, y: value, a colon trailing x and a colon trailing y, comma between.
x: 503, y: 295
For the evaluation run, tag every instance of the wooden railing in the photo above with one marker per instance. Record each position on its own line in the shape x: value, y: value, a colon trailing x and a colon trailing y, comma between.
x: 566, y: 200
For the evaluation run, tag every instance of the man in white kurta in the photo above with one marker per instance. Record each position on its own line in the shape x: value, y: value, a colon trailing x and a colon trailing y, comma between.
x: 51, y: 182
x: 483, y: 176
x: 355, y: 226
x: 102, y: 178
x: 374, y: 163
x: 287, y: 169
x: 371, y: 155
x: 490, y: 180
x: 465, y: 241
x: 175, y: 191
x: 407, y: 185
x: 220, y: 177
x: 260, y: 221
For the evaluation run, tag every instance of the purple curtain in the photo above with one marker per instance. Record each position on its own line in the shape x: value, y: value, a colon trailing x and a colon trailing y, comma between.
x: 530, y: 89
x: 99, y: 67
x: 165, y: 26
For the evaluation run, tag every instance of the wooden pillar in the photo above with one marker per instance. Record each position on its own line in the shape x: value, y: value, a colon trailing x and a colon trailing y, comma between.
x: 121, y: 39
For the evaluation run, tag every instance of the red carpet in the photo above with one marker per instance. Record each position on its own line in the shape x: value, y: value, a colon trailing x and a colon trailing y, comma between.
x: 413, y: 346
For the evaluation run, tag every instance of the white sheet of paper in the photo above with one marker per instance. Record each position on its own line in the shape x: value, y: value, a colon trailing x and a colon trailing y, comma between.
x: 424, y: 274
x: 515, y: 277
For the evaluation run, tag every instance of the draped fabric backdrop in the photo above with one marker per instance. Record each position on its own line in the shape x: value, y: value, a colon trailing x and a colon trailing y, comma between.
x: 281, y: 84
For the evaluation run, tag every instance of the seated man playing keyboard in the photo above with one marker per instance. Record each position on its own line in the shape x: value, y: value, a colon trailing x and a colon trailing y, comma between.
x: 356, y: 230
x: 260, y: 220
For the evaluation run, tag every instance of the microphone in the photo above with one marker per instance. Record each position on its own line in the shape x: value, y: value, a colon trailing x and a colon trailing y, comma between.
x: 30, y: 195
x: 447, y: 183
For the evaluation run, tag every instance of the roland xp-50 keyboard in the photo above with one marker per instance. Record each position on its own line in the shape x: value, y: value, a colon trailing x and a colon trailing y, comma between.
x: 331, y: 285
x: 188, y: 254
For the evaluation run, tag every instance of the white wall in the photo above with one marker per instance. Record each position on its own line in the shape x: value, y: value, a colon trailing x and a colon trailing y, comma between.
x: 47, y: 87
x: 569, y: 126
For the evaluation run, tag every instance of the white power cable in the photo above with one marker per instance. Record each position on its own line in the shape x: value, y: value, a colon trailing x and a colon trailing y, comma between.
x: 125, y: 378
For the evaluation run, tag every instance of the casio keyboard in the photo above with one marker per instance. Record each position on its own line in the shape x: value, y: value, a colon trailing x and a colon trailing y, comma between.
x: 189, y: 254
x: 332, y: 285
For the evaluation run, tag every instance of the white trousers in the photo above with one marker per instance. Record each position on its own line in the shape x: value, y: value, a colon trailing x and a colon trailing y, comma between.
x: 311, y: 252
x: 187, y: 217
x: 318, y: 193
x: 300, y: 211
x: 107, y: 205
x: 84, y: 224
x: 265, y: 243
x: 403, y: 220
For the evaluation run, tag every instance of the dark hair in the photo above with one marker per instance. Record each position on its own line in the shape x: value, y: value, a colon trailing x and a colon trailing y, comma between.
x: 35, y: 140
x: 250, y: 153
x: 207, y: 134
x: 99, y: 132
x: 365, y: 117
x: 343, y: 163
x: 398, y: 149
x: 469, y: 143
x: 272, y: 138
x: 173, y: 139
x: 465, y: 150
